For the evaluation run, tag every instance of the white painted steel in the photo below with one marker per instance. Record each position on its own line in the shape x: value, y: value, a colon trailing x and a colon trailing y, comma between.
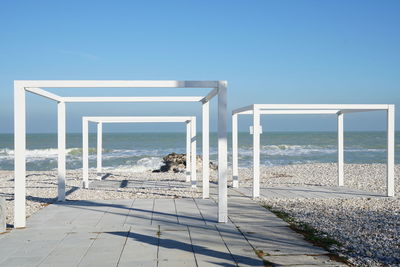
x: 19, y: 157
x: 256, y: 153
x: 210, y: 95
x: 134, y: 99
x: 206, y: 148
x: 99, y: 150
x: 235, y: 165
x: 340, y: 140
x: 193, y: 142
x: 359, y: 110
x: 338, y: 109
x: 141, y: 119
x: 390, y: 150
x: 61, y: 136
x: 36, y: 86
x: 115, y: 84
x: 324, y: 106
x: 252, y: 131
x: 222, y: 153
x: 44, y: 93
x: 242, y: 109
x: 291, y: 112
x: 85, y: 152
x: 188, y: 148
x: 190, y: 135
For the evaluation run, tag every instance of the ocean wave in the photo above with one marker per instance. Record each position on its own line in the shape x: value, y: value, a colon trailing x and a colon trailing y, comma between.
x: 299, y: 150
x: 144, y: 164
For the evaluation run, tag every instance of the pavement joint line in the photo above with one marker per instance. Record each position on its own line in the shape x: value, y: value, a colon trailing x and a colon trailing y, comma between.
x: 226, y: 245
x: 152, y: 214
x: 87, y: 250
x: 54, y: 248
x: 158, y: 244
x: 130, y: 209
x: 176, y: 212
x: 123, y: 248
x: 201, y: 214
x: 104, y: 213
x: 191, y: 243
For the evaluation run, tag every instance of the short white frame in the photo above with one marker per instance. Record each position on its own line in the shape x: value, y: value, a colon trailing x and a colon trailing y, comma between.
x: 190, y: 122
x: 219, y: 88
x: 317, y: 109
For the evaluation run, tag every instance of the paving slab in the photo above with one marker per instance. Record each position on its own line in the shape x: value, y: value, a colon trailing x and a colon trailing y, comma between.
x: 209, y: 248
x: 141, y: 212
x: 141, y: 247
x: 160, y: 232
x: 164, y: 212
x: 188, y: 212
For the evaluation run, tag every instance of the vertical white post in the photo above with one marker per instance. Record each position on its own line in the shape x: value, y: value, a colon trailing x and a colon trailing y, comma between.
x: 235, y: 167
x: 222, y: 153
x: 188, y: 148
x: 390, y: 150
x: 193, y: 153
x: 85, y: 153
x: 256, y: 152
x: 19, y: 157
x: 99, y: 149
x: 340, y: 139
x: 206, y: 148
x: 61, y: 150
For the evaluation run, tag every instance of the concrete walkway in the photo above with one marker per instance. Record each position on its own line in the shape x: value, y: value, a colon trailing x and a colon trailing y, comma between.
x: 157, y: 232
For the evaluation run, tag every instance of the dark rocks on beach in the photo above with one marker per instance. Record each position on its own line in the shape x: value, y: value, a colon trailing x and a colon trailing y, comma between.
x: 175, y: 162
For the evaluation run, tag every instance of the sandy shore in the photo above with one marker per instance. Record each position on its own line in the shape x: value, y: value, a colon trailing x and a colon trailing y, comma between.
x: 369, y: 229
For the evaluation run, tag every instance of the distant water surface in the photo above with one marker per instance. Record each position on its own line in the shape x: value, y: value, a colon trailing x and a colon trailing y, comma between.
x: 138, y: 152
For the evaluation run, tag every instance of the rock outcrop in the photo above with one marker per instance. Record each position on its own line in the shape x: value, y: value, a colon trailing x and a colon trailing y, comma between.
x: 175, y: 162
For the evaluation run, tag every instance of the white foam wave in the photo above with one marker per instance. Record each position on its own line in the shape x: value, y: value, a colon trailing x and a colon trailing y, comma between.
x: 299, y: 150
x: 32, y: 153
x: 142, y: 165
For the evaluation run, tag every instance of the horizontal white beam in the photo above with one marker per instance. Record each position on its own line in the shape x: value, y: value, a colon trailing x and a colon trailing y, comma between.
x: 210, y: 95
x: 135, y: 99
x: 240, y: 110
x: 358, y: 110
x: 292, y: 112
x: 116, y: 83
x: 44, y: 93
x: 112, y: 119
x: 324, y: 106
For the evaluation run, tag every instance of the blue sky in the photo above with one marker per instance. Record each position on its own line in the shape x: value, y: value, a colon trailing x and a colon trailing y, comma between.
x: 269, y: 51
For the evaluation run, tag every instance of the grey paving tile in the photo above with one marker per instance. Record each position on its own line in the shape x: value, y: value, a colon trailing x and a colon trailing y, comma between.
x: 20, y: 261
x: 71, y: 249
x: 141, y: 247
x: 141, y: 212
x: 117, y: 213
x: 209, y: 247
x: 106, y: 248
x: 175, y: 244
x: 208, y: 209
x: 188, y: 213
x: 164, y: 212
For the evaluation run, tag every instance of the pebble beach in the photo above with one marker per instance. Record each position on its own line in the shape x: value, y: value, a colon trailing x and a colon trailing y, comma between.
x: 367, y: 228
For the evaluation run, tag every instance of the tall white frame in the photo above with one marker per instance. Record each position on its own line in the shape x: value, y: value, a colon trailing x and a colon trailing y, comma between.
x: 300, y: 109
x: 219, y: 88
x: 190, y: 122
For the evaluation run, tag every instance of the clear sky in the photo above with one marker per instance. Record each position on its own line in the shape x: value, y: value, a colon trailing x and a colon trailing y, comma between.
x: 269, y: 51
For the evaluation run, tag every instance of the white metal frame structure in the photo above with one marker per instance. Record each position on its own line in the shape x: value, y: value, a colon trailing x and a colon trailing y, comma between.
x: 190, y: 122
x: 219, y: 88
x: 297, y: 109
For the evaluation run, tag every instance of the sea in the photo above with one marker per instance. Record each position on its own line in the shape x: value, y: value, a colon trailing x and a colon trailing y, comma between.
x: 138, y: 152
